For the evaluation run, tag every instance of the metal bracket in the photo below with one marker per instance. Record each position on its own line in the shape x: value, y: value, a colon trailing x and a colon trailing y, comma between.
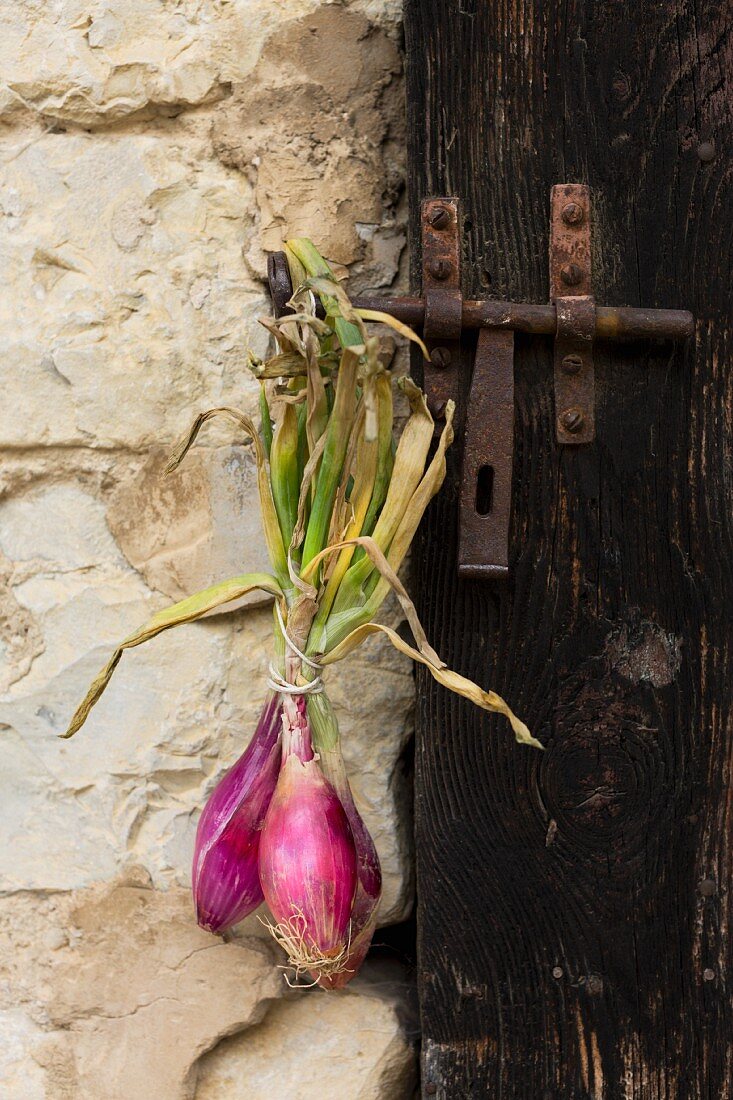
x: 571, y: 291
x: 571, y: 316
x: 488, y: 451
x: 441, y: 280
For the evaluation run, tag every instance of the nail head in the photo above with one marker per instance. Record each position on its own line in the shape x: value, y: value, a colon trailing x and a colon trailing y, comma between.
x: 440, y: 269
x: 573, y: 213
x: 572, y: 420
x: 708, y: 975
x: 557, y: 972
x: 571, y: 364
x: 440, y: 357
x: 571, y: 274
x: 439, y: 218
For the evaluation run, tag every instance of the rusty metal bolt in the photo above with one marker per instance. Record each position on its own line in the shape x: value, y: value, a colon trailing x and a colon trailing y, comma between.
x: 707, y: 887
x: 440, y: 269
x: 440, y: 358
x: 557, y: 972
x: 572, y: 420
x: 706, y: 152
x: 571, y: 364
x: 571, y: 274
x: 440, y: 218
x: 573, y: 213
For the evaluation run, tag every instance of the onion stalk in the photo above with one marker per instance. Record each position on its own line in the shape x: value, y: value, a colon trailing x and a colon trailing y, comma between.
x: 340, y: 504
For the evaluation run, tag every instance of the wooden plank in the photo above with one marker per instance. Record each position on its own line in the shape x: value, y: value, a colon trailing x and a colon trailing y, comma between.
x: 574, y: 905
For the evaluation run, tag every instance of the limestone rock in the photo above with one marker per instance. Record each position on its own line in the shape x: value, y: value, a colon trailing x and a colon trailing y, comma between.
x: 332, y: 168
x: 96, y: 347
x: 353, y: 1045
x: 21, y: 1078
x: 199, y: 525
x: 105, y: 61
x: 132, y: 999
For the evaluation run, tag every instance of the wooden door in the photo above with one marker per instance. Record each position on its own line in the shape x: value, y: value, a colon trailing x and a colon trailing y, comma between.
x: 574, y: 905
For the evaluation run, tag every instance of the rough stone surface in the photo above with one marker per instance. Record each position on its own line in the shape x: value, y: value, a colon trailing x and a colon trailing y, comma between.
x: 351, y: 1046
x: 150, y: 154
x: 118, y: 992
x: 113, y: 992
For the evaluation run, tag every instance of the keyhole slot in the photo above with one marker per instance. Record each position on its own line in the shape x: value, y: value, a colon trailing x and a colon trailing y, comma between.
x: 484, y: 490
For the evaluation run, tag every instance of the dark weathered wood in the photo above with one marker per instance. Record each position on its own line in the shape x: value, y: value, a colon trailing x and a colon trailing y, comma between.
x: 574, y: 905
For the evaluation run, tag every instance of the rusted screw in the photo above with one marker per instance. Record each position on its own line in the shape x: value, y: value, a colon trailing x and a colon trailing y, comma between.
x: 571, y: 274
x: 572, y: 420
x: 707, y: 887
x: 573, y: 213
x: 440, y: 269
x: 440, y: 357
x: 439, y: 218
x: 706, y: 152
x: 571, y: 364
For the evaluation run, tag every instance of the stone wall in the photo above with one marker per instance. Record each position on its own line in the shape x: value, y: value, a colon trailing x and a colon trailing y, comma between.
x: 151, y: 151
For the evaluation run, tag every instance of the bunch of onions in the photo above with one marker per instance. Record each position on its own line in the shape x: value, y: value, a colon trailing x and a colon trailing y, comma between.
x: 340, y: 505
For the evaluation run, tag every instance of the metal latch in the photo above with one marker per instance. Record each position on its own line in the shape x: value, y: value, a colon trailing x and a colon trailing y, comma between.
x: 571, y: 317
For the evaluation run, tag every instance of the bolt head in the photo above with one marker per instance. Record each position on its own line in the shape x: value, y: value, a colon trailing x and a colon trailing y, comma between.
x: 440, y: 358
x: 708, y: 975
x: 440, y: 269
x: 557, y: 972
x: 571, y: 274
x: 706, y: 151
x: 573, y: 213
x: 571, y: 364
x: 439, y: 218
x: 572, y: 420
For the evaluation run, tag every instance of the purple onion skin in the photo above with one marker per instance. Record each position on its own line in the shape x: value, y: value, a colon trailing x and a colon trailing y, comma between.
x: 226, y: 883
x: 308, y: 866
x: 369, y: 876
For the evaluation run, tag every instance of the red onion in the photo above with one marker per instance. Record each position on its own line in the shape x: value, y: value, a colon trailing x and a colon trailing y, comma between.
x: 308, y: 865
x: 369, y: 875
x: 226, y: 883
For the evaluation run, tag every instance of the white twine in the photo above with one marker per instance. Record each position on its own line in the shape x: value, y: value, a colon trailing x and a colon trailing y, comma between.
x: 277, y: 682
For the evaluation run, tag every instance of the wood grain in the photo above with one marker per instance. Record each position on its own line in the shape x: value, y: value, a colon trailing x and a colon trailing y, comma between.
x: 574, y: 906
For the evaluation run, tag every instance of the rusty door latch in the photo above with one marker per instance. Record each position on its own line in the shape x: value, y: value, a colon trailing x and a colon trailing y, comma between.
x: 571, y: 317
